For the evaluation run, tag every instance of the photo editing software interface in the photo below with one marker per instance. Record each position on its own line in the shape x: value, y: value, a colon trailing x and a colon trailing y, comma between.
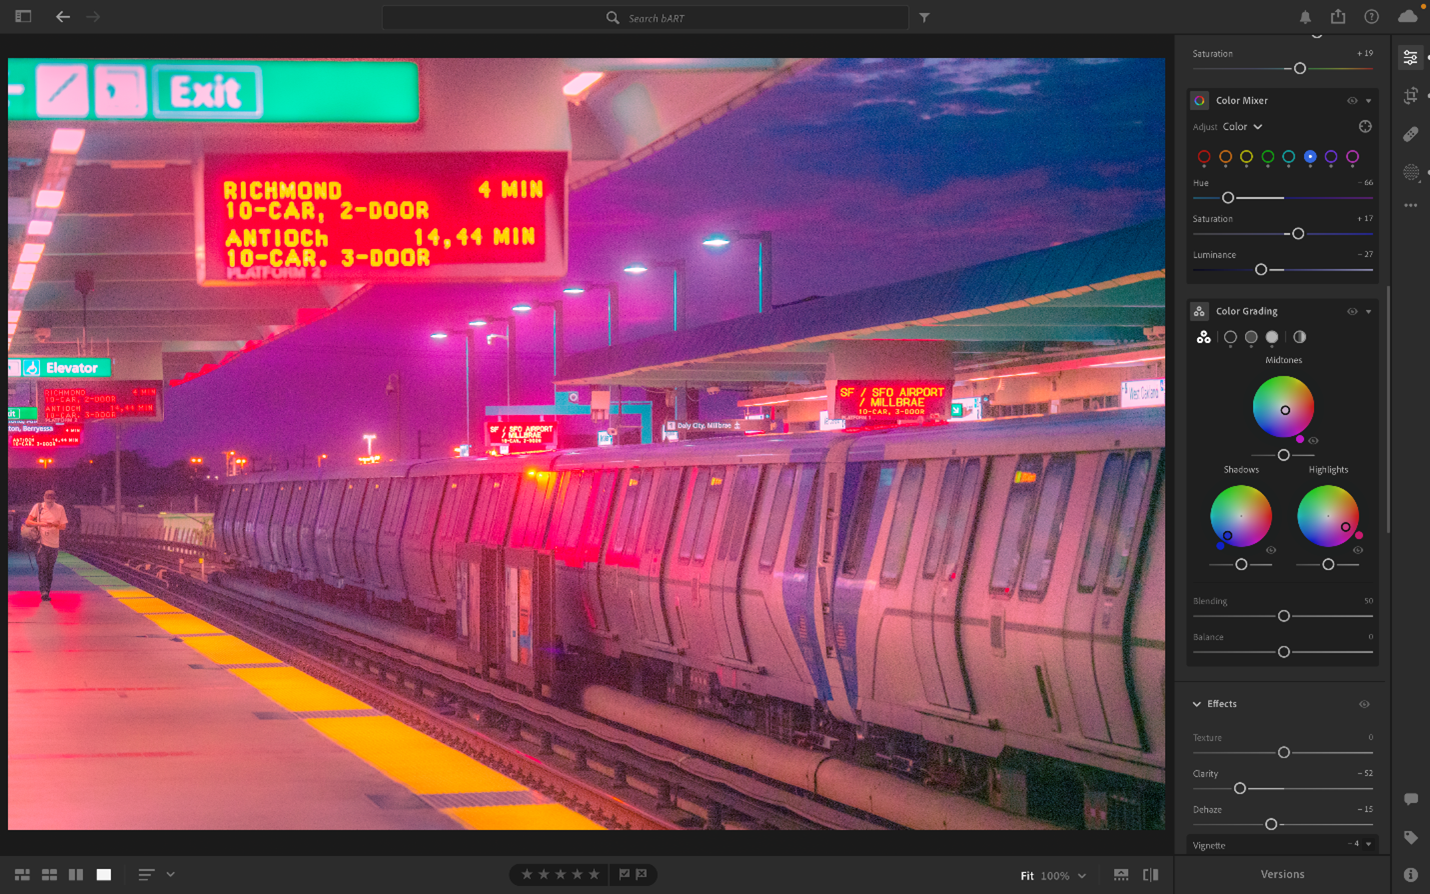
x: 1152, y: 634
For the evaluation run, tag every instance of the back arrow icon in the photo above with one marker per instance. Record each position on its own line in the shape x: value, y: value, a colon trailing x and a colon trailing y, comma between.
x: 60, y: 16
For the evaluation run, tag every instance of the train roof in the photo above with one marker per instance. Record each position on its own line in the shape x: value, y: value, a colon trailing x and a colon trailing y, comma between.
x: 1091, y: 430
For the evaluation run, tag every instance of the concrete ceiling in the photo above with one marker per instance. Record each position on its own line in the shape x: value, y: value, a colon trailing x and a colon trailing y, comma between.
x: 128, y: 208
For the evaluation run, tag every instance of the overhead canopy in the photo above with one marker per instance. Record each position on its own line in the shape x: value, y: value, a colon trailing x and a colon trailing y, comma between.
x: 1092, y: 296
x: 128, y: 205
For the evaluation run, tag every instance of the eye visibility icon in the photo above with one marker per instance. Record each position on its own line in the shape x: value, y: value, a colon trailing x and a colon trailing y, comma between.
x: 613, y: 18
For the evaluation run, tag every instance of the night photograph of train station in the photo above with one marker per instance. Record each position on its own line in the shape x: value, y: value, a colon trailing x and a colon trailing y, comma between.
x: 599, y: 443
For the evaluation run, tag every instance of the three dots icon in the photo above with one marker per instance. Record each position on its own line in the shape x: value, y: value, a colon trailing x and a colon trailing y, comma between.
x: 1203, y: 338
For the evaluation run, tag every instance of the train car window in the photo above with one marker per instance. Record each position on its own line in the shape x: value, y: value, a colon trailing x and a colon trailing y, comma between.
x: 521, y: 519
x: 811, y: 516
x: 902, y: 527
x: 567, y: 485
x: 666, y: 492
x: 499, y: 512
x: 942, y: 517
x: 545, y: 506
x: 967, y: 505
x: 1017, y: 518
x: 423, y: 510
x: 596, y: 529
x: 456, y: 497
x: 579, y: 511
x: 737, y: 517
x: 396, y: 515
x: 373, y: 504
x: 708, y: 507
x: 642, y: 499
x: 632, y: 481
x: 1102, y: 509
x: 874, y: 475
x: 692, y: 512
x: 1125, y: 541
x: 332, y: 499
x: 775, y: 516
x: 1047, y: 526
x: 352, y: 502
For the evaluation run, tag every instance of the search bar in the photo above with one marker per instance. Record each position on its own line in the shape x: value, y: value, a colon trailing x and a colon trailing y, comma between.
x: 619, y: 19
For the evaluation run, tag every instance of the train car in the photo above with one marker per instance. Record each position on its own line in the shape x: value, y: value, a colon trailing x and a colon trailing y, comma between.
x: 930, y: 599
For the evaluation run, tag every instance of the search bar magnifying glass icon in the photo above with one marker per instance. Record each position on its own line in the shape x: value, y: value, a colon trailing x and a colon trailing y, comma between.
x: 613, y: 18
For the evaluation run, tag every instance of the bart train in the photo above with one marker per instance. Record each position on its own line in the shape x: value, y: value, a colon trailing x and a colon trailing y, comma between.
x: 941, y: 600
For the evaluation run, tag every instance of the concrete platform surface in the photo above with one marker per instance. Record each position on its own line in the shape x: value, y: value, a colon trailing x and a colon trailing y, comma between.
x: 127, y: 713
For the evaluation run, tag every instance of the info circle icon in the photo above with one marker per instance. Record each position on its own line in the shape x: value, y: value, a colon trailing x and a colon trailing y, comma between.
x: 1328, y: 516
x: 1283, y: 406
x: 1241, y: 515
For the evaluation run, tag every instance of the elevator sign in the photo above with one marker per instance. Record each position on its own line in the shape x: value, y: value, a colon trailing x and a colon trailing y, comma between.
x: 383, y: 217
x: 891, y: 400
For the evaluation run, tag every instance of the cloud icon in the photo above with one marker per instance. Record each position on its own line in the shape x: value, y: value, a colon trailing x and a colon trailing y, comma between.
x: 1409, y: 16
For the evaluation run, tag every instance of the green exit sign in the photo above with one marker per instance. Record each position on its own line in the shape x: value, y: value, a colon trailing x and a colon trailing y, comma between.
x: 60, y: 367
x: 23, y: 414
x: 206, y: 90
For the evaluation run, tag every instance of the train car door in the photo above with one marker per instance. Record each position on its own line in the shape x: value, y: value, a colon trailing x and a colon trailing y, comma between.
x: 655, y: 551
x: 729, y: 553
x: 863, y: 500
x: 1097, y: 659
x: 936, y: 646
x: 526, y: 587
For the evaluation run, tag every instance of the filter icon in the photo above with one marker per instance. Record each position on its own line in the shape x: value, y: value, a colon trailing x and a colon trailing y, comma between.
x: 1241, y: 516
x: 1283, y: 406
x: 1328, y: 516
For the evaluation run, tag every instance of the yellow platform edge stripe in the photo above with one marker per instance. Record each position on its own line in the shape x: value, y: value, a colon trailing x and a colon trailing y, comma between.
x: 410, y: 758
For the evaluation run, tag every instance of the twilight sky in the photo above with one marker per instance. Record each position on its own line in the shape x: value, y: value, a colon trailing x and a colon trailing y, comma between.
x: 867, y: 171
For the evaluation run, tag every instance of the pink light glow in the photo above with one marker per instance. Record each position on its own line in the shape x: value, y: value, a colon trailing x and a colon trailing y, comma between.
x: 577, y: 85
x: 67, y: 141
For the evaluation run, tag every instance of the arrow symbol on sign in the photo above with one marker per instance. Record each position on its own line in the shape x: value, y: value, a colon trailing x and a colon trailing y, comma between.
x: 61, y: 16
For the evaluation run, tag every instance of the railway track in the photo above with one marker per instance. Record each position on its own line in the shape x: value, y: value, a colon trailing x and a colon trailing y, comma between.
x: 615, y: 776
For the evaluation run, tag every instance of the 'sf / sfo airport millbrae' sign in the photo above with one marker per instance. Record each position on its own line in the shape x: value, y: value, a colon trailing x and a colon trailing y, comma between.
x: 891, y: 400
x: 383, y: 217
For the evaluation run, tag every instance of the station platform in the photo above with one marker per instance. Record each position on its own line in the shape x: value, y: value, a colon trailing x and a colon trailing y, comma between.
x: 127, y: 713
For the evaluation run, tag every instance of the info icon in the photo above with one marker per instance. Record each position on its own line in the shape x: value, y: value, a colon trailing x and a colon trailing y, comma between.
x: 1201, y: 100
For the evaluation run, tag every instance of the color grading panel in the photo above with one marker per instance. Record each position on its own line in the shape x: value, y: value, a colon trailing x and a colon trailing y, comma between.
x: 1283, y: 489
x: 1284, y: 186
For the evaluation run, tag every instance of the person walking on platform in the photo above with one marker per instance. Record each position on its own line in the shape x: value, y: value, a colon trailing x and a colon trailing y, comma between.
x: 50, y: 518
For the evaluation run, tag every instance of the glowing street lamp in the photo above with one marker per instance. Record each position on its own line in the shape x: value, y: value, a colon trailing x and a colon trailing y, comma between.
x: 558, y: 330
x: 468, y: 335
x: 766, y: 264
x: 510, y: 345
x: 677, y: 267
x: 47, y: 461
x: 613, y: 304
x: 369, y: 439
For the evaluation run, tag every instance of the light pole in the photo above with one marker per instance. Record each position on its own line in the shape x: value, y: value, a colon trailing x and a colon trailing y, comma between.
x: 613, y: 299
x: 558, y: 331
x: 195, y: 464
x: 369, y: 439
x: 766, y: 262
x: 467, y: 335
x: 510, y: 346
x: 677, y: 267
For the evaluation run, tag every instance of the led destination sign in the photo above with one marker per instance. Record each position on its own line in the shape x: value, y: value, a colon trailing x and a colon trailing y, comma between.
x: 44, y: 435
x: 891, y: 400
x: 103, y: 400
x: 519, y: 435
x: 383, y: 217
